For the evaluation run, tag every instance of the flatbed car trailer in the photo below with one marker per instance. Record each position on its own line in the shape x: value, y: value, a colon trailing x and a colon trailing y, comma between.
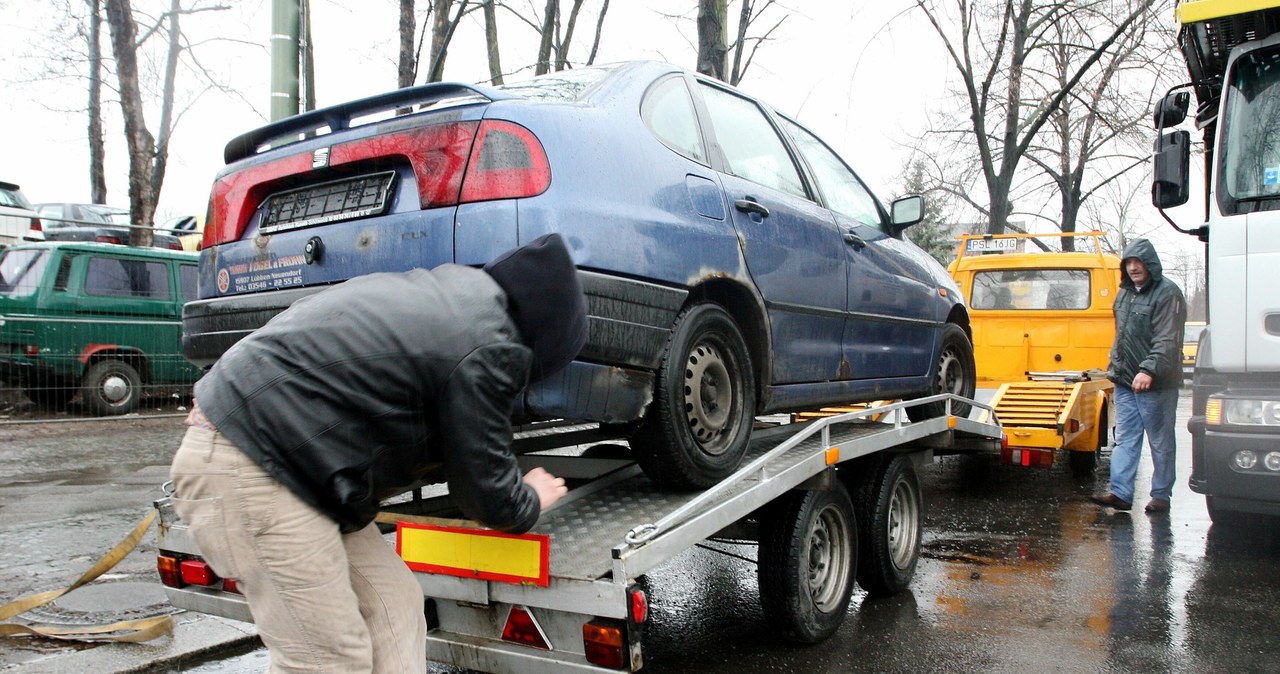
x: 829, y: 502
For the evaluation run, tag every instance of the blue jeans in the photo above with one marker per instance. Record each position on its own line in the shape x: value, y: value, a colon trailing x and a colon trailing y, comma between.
x: 1151, y: 413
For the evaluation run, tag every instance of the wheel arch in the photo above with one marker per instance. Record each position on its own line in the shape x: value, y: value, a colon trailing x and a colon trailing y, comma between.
x: 747, y: 311
x: 135, y: 358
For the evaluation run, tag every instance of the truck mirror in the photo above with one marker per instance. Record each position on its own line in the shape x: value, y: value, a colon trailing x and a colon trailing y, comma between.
x: 907, y: 211
x: 1172, y: 170
x: 1172, y: 109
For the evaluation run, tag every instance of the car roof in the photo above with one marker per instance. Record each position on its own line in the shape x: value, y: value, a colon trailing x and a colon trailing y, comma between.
x: 109, y: 248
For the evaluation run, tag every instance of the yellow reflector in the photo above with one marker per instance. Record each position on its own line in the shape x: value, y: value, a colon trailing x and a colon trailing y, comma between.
x: 475, y: 553
x: 1213, y: 412
x: 951, y: 422
x: 833, y: 455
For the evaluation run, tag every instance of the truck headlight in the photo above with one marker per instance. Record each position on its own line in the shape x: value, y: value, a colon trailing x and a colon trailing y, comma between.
x: 1242, y: 412
x: 1272, y: 461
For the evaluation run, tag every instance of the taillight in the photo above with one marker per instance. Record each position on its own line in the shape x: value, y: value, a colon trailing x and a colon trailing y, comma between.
x: 170, y: 574
x: 197, y: 572
x: 36, y: 226
x: 105, y: 238
x: 639, y: 605
x: 605, y: 643
x: 507, y: 162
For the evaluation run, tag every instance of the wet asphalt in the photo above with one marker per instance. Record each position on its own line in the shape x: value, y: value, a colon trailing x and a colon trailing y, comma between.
x: 1019, y: 573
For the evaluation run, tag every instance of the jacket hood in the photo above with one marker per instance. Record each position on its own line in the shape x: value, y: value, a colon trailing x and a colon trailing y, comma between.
x: 1146, y: 253
x: 545, y: 300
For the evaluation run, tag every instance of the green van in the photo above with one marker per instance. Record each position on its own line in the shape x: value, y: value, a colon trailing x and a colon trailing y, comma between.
x: 95, y: 319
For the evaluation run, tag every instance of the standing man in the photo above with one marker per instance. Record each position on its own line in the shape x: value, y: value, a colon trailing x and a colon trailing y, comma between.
x: 353, y: 395
x: 1146, y: 366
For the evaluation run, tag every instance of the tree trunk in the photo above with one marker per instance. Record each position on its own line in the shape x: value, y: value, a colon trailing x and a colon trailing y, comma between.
x: 562, y: 54
x: 407, y: 67
x: 141, y: 145
x: 543, y: 65
x: 595, y: 44
x: 161, y: 162
x: 491, y: 42
x: 712, y: 36
x: 97, y: 144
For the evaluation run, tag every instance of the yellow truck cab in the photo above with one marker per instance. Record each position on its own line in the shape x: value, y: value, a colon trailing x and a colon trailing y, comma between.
x: 1042, y: 331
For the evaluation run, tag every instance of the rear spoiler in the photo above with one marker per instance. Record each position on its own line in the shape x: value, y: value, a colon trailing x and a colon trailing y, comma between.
x: 338, y: 117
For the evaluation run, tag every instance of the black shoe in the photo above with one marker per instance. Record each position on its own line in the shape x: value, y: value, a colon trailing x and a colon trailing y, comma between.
x: 1111, y: 501
x: 1157, y: 506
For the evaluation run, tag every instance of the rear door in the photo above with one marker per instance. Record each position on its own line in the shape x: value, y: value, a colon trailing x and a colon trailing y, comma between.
x: 791, y: 245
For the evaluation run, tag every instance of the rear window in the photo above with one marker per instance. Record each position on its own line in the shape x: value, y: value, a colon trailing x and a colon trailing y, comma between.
x: 21, y: 271
x: 13, y: 199
x: 1031, y: 289
x: 565, y: 85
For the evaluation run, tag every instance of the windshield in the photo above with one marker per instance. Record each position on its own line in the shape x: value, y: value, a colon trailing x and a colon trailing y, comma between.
x: 21, y: 270
x: 1035, y: 289
x: 1251, y: 148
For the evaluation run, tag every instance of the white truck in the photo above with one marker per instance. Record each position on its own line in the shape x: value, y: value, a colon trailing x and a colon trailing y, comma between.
x: 828, y: 502
x: 1232, y: 50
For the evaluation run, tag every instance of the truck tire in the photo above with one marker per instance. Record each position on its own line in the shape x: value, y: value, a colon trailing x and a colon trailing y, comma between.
x: 808, y: 560
x: 890, y: 512
x: 956, y: 374
x: 111, y: 387
x: 698, y: 426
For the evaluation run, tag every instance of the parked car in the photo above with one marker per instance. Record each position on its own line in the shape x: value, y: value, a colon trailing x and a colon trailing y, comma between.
x: 100, y: 320
x: 94, y: 222
x: 734, y: 264
x: 17, y: 218
x: 1190, y: 345
x: 188, y: 228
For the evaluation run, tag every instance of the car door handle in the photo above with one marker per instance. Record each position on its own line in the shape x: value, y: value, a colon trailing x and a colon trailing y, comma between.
x: 854, y: 240
x: 751, y: 206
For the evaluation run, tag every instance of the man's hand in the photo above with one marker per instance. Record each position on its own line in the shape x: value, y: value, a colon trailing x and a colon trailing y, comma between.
x: 1141, y: 382
x: 548, y: 487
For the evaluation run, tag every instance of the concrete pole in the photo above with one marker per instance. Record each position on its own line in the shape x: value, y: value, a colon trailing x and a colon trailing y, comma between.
x: 284, y: 58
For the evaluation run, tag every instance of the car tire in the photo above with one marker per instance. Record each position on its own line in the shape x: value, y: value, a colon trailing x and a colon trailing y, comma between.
x: 697, y: 428
x: 808, y: 562
x: 111, y: 387
x: 956, y: 373
x: 890, y: 512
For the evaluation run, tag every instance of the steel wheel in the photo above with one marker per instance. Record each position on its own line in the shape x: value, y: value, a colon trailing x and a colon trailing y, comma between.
x: 956, y: 374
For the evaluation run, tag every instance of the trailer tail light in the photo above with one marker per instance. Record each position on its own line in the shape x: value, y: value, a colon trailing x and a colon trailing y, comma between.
x: 197, y: 572
x: 605, y: 642
x: 507, y: 162
x: 170, y: 574
x: 231, y: 585
x: 1026, y: 456
x: 639, y: 605
x: 522, y: 628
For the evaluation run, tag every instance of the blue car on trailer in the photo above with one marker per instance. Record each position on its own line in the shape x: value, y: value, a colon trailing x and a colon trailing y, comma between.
x: 734, y: 264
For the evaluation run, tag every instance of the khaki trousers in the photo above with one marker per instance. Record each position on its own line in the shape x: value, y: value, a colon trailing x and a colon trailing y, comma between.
x: 323, y: 601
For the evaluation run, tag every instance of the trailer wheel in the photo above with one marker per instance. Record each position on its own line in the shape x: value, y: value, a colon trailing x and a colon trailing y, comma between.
x: 808, y: 560
x: 956, y: 374
x: 698, y: 425
x: 890, y: 510
x: 111, y: 387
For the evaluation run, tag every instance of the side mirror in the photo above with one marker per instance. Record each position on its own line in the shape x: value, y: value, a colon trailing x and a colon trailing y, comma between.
x: 907, y: 211
x: 1172, y: 170
x: 1172, y: 109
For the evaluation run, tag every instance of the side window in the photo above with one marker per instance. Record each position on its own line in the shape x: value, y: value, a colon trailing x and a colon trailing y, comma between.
x: 64, y: 273
x: 115, y: 277
x: 668, y: 112
x: 187, y: 275
x: 844, y: 193
x: 751, y: 146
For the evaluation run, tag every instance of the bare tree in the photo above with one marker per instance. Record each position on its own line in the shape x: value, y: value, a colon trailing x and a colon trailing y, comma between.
x: 999, y: 53
x: 713, y: 45
x: 97, y: 141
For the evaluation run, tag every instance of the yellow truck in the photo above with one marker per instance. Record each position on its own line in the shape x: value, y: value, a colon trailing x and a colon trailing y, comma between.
x: 1042, y: 330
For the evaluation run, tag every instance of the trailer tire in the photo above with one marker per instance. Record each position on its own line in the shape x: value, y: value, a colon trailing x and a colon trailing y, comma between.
x: 956, y: 374
x: 111, y: 387
x: 890, y: 511
x: 808, y: 562
x: 698, y: 426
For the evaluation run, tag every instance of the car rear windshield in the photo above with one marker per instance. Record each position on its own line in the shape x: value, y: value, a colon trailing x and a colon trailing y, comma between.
x: 21, y: 270
x: 564, y: 85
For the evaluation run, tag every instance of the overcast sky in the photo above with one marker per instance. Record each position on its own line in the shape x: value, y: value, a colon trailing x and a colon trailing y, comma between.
x: 861, y: 75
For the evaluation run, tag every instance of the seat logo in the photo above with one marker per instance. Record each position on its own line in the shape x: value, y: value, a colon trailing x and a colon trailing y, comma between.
x: 320, y: 158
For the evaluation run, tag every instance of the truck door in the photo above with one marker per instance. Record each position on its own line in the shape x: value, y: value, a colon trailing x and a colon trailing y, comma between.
x: 792, y: 248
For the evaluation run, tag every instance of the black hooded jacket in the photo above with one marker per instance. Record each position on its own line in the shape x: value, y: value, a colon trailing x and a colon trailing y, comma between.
x: 352, y: 394
x: 1149, y: 324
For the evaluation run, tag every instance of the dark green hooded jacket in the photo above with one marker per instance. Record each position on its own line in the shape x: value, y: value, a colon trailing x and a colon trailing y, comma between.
x: 1149, y: 323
